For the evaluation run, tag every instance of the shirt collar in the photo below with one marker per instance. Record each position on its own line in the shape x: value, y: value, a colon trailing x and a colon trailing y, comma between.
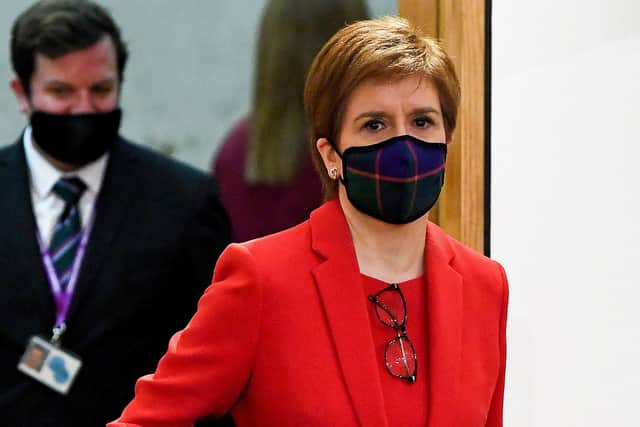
x: 44, y: 175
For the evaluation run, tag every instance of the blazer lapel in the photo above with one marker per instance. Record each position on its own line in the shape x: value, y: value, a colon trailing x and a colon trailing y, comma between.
x: 20, y: 246
x: 112, y: 205
x: 339, y: 285
x: 444, y: 305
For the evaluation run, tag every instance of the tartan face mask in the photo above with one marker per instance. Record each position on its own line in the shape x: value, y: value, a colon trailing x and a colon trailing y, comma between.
x: 397, y: 180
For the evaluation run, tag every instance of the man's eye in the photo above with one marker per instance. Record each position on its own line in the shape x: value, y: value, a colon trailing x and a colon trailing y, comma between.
x: 59, y: 91
x: 102, y: 90
x: 373, y: 125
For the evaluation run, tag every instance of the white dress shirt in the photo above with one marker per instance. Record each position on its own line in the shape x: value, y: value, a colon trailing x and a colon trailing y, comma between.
x: 47, y: 206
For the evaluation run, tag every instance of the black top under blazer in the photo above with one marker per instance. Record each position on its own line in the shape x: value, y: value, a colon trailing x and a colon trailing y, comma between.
x: 158, y: 231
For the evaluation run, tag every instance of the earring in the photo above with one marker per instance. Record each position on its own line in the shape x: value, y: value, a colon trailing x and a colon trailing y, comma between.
x: 333, y: 173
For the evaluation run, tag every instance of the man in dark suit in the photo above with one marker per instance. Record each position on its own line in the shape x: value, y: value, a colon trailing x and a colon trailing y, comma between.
x: 105, y: 246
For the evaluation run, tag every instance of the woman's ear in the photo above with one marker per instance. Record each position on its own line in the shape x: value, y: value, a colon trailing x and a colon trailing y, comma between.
x: 329, y: 156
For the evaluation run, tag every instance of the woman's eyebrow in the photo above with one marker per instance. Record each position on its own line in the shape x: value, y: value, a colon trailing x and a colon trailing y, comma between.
x: 425, y: 110
x: 377, y: 113
x: 368, y: 114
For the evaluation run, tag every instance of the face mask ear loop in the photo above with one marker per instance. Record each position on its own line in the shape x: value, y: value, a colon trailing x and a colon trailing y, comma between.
x: 340, y: 178
x: 32, y: 109
x: 444, y: 171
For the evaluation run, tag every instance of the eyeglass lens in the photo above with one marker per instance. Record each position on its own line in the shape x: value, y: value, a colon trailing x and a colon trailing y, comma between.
x: 400, y: 357
x: 390, y: 308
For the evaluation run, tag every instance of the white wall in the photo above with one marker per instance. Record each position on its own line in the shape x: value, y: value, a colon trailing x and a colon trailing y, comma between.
x: 190, y: 72
x: 566, y: 207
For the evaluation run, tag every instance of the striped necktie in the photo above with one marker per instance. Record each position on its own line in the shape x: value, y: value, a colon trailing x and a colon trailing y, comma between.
x: 68, y: 231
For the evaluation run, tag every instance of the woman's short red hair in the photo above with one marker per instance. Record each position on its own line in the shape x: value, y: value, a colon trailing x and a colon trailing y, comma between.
x: 384, y: 48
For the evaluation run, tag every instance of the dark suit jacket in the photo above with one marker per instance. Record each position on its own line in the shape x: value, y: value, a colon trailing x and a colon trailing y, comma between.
x: 158, y: 232
x: 282, y: 338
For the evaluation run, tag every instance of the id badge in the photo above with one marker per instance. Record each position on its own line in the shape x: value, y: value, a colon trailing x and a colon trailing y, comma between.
x: 50, y: 364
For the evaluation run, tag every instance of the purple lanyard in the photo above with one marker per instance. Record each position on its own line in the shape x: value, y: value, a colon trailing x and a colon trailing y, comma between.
x: 62, y: 297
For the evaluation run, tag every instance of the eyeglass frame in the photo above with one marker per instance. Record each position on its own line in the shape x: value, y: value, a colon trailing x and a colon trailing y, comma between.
x: 401, y: 332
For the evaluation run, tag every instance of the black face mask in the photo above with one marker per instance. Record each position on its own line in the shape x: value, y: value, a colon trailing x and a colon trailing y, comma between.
x: 75, y: 139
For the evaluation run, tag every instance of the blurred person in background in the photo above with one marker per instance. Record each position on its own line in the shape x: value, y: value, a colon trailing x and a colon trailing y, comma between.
x: 264, y: 168
x: 106, y: 245
x: 367, y: 314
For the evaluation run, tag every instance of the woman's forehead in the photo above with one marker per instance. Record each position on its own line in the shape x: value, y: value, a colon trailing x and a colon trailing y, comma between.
x: 406, y: 93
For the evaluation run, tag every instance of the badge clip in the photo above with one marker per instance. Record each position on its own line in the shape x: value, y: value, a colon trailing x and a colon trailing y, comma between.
x: 58, y: 330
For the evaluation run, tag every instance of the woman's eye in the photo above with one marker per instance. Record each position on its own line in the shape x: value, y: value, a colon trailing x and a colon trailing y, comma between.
x: 374, y: 125
x: 423, y: 122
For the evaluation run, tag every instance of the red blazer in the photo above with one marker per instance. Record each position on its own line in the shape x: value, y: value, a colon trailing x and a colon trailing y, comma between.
x: 282, y: 338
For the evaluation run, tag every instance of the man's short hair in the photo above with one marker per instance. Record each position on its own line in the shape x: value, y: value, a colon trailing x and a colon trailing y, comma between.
x: 55, y: 28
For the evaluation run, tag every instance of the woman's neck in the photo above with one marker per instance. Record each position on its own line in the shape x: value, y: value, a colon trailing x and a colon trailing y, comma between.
x: 389, y: 252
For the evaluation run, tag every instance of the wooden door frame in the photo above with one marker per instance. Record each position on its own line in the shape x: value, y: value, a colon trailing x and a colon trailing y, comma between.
x: 463, y: 208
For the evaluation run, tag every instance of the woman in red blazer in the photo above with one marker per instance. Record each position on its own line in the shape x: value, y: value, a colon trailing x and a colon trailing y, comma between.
x: 366, y: 314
